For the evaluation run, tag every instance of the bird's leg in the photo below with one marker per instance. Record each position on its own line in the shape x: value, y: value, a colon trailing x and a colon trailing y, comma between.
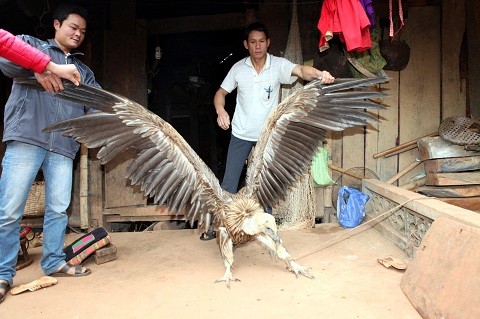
x: 274, y: 245
x: 207, y: 221
x: 226, y: 249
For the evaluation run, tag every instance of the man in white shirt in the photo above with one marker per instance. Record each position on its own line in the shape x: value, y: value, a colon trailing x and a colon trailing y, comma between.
x: 257, y: 79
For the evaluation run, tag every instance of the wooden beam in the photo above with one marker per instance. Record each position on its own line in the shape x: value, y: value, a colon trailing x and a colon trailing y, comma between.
x: 225, y: 21
x: 139, y: 211
x: 129, y: 219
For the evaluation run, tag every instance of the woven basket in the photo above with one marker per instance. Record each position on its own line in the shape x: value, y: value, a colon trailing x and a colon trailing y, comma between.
x: 35, y: 205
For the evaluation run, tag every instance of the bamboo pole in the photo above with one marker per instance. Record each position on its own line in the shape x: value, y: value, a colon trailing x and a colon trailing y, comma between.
x: 403, y: 172
x: 402, y: 146
x: 343, y: 171
x: 408, y: 148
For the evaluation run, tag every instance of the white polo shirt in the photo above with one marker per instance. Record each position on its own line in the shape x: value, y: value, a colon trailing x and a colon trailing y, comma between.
x: 257, y: 94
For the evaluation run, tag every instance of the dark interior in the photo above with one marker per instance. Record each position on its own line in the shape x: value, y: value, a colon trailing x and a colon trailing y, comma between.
x: 181, y: 84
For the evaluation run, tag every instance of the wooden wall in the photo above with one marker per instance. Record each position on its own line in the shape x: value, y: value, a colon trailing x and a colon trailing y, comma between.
x: 428, y: 90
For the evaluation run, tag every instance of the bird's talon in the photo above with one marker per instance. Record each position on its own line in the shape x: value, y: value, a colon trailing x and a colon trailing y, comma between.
x: 227, y: 280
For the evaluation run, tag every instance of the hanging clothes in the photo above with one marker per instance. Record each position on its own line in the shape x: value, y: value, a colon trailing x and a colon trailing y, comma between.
x: 368, y: 7
x: 349, y: 20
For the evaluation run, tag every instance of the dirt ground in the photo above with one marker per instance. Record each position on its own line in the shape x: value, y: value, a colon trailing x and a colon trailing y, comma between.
x: 171, y: 274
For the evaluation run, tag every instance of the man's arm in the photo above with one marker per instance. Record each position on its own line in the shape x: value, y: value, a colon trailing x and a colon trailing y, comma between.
x: 309, y: 73
x: 223, y: 119
x: 27, y: 56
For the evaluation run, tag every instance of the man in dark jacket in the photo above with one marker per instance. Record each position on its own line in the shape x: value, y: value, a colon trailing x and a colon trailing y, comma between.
x: 28, y: 149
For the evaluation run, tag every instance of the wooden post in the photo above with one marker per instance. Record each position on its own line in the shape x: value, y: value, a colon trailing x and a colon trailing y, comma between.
x: 84, y: 213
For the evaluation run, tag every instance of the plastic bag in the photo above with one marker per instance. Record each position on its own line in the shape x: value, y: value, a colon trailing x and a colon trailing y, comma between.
x: 351, y: 206
x: 320, y: 173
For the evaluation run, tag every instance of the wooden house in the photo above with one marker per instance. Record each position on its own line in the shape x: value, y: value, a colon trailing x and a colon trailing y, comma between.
x: 194, y: 39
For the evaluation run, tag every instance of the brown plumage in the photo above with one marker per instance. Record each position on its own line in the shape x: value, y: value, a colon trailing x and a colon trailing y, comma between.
x: 170, y: 171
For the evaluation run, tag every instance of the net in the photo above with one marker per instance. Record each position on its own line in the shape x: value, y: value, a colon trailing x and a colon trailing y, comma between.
x: 298, y: 209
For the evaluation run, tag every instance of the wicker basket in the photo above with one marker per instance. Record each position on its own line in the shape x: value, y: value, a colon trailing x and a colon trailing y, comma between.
x: 35, y: 205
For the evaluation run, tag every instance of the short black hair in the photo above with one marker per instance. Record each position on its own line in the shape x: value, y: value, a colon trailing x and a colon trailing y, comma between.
x: 62, y: 12
x: 256, y: 26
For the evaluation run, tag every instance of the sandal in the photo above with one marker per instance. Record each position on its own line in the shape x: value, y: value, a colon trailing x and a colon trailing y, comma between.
x: 208, y: 235
x: 42, y: 282
x: 63, y: 272
x: 3, y: 286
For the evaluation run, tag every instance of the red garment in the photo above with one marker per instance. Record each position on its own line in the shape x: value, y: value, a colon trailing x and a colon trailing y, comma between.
x: 22, y: 53
x: 348, y: 18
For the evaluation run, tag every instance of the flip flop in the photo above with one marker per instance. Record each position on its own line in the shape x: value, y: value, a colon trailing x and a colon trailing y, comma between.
x: 392, y: 262
x: 63, y: 272
x: 4, y: 285
x: 42, y: 282
x: 208, y: 235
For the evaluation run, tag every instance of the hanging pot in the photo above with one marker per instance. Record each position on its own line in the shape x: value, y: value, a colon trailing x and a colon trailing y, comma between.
x: 396, y: 53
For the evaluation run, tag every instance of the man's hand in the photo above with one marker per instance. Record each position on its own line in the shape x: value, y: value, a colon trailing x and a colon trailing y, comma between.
x: 50, y: 82
x: 223, y: 119
x: 66, y: 71
x: 326, y: 77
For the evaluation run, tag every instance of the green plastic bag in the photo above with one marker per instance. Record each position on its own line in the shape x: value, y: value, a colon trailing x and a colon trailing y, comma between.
x: 320, y: 172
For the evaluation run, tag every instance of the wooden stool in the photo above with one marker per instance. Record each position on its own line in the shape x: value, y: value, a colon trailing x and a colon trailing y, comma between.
x: 23, y: 259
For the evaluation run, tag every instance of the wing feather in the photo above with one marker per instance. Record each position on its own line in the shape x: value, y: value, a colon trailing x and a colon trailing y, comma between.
x: 297, y: 127
x: 166, y: 167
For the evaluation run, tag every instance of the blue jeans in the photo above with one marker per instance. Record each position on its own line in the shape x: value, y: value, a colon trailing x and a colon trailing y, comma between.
x: 20, y: 166
x: 238, y: 151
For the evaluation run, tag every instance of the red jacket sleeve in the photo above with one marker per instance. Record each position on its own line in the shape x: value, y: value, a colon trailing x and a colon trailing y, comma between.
x: 22, y: 53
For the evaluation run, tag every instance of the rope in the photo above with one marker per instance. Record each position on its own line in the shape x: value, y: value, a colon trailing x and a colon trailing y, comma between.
x: 359, y: 228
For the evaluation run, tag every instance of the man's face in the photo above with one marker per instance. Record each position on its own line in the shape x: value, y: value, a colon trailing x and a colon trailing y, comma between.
x: 257, y: 44
x: 71, y: 33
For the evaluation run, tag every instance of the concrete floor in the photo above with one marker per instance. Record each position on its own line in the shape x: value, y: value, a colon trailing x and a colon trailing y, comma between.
x: 171, y: 274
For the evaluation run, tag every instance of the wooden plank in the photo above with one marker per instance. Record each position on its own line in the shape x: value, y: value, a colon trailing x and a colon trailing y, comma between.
x: 471, y: 203
x: 118, y: 190
x: 387, y: 131
x: 420, y: 81
x: 353, y: 148
x: 450, y: 191
x: 130, y: 81
x: 436, y: 147
x: 148, y: 218
x: 442, y: 280
x: 333, y: 145
x: 453, y: 87
x: 447, y: 179
x: 429, y: 207
x: 148, y: 210
x: 453, y: 164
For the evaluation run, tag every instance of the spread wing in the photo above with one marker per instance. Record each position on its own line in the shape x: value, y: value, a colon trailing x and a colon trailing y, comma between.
x: 297, y: 127
x: 166, y: 167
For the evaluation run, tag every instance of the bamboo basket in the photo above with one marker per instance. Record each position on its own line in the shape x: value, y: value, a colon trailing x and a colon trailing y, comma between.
x: 35, y: 205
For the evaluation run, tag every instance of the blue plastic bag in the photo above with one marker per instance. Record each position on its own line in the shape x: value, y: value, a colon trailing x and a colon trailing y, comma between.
x: 351, y: 206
